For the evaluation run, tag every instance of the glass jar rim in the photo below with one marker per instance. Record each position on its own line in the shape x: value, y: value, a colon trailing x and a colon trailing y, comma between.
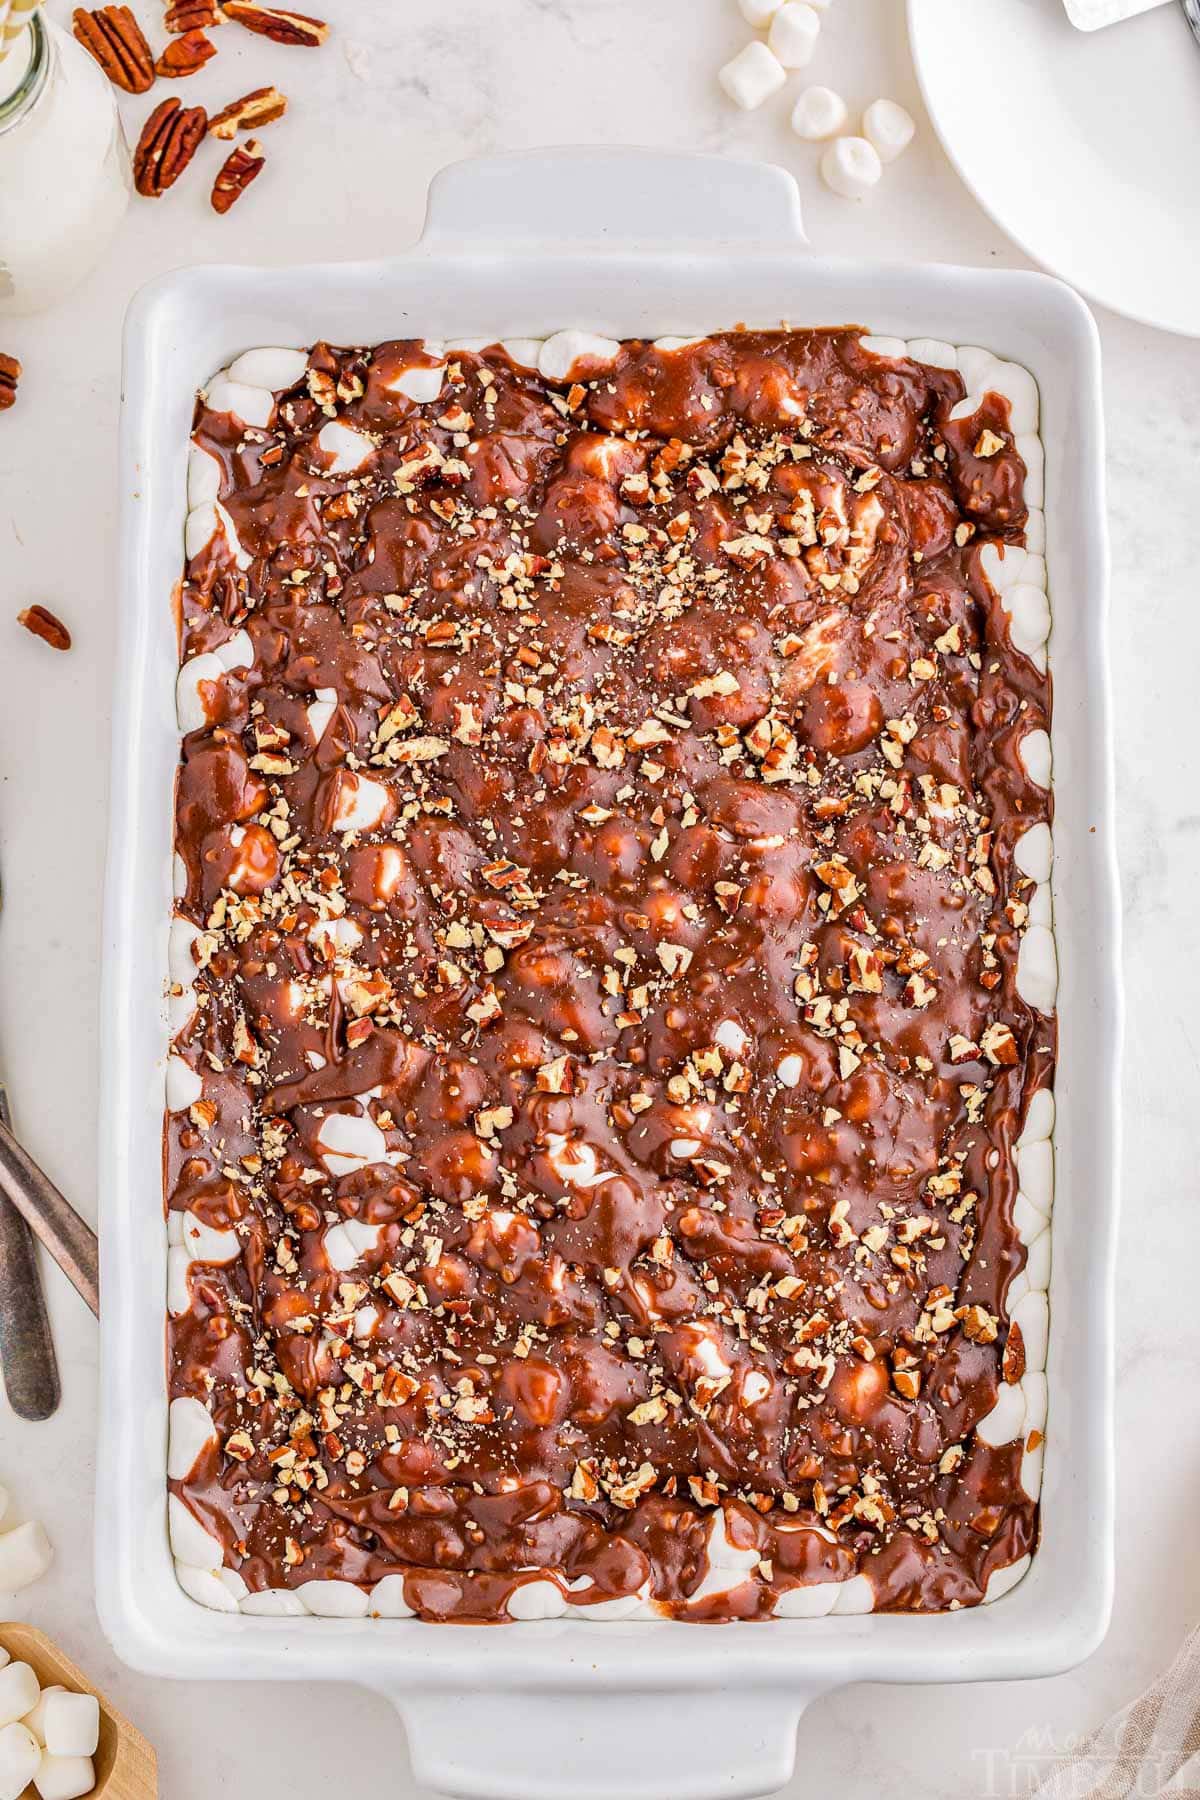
x: 26, y: 94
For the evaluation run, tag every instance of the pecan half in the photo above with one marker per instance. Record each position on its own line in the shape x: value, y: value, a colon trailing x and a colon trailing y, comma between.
x: 236, y: 173
x: 274, y: 22
x: 169, y: 140
x: 115, y: 39
x: 190, y: 15
x: 10, y: 374
x: 249, y: 113
x: 185, y: 55
x: 43, y: 624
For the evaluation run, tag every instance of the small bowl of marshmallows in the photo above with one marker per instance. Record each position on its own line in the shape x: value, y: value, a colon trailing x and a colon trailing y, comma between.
x: 852, y: 163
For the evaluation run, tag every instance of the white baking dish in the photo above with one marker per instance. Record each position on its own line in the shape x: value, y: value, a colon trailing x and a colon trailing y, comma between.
x: 626, y: 243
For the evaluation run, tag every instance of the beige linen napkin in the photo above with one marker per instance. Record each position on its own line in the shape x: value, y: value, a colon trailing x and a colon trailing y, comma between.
x: 1149, y: 1751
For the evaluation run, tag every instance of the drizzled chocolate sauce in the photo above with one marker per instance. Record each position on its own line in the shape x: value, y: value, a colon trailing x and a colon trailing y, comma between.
x: 681, y: 996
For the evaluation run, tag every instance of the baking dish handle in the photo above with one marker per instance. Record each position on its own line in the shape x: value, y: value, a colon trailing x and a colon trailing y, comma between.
x: 562, y: 197
x: 521, y: 1745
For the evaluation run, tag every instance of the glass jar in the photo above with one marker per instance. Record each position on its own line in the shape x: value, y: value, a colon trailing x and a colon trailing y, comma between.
x: 64, y: 167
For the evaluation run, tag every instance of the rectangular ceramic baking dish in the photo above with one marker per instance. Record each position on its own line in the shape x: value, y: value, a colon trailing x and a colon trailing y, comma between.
x: 627, y: 243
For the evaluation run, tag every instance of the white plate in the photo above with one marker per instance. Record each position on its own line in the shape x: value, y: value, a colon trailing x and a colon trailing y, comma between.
x: 1081, y: 146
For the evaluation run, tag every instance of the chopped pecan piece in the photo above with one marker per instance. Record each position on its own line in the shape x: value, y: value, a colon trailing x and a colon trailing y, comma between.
x: 10, y: 374
x: 43, y: 624
x: 169, y: 141
x: 250, y: 113
x: 236, y: 173
x: 274, y: 22
x: 115, y: 39
x: 185, y: 56
x: 191, y: 15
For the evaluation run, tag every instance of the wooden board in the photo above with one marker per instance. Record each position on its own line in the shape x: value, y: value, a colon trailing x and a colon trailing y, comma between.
x: 126, y: 1767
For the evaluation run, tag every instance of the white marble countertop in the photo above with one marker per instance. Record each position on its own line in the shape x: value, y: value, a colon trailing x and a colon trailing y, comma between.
x: 404, y: 87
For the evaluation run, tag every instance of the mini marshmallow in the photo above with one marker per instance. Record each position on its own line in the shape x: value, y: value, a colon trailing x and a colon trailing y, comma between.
x: 20, y: 1757
x: 1005, y: 1421
x: 237, y: 652
x: 25, y: 1555
x: 1039, y: 1119
x: 387, y: 1599
x: 19, y: 1692
x: 271, y: 368
x: 884, y: 346
x: 1034, y: 852
x: 536, y: 1600
x: 203, y: 478
x: 1028, y: 621
x: 190, y: 1431
x: 560, y: 353
x: 1032, y: 1316
x: 205, y: 1587
x: 184, y: 1085
x: 1037, y: 980
x: 191, y: 1544
x: 71, y: 1723
x: 64, y: 1777
x: 933, y: 352
x: 759, y: 13
x: 1035, y: 1172
x: 1000, y: 1581
x: 179, y: 1293
x: 1029, y: 449
x: 350, y: 1141
x: 1034, y: 750
x: 197, y: 673
x: 889, y: 128
x: 320, y: 710
x: 274, y: 1603
x: 1035, y: 531
x: 348, y: 448
x: 788, y: 1071
x: 855, y: 1596
x: 361, y: 802
x: 524, y: 352
x: 811, y: 1602
x: 36, y: 1720
x: 348, y: 1243
x: 794, y: 33
x: 752, y: 76
x: 421, y: 385
x: 248, y: 405
x: 621, y: 1606
x: 818, y: 113
x: 851, y: 167
x: 209, y: 1243
x: 334, y: 1599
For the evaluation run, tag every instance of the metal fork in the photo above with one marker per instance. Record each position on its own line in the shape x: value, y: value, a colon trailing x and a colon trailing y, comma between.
x: 26, y: 1346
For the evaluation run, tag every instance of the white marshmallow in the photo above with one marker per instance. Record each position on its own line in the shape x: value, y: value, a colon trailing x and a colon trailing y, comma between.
x: 1037, y: 1264
x: 249, y: 405
x: 1032, y: 1316
x: 209, y: 1243
x: 1035, y: 1172
x: 759, y: 13
x: 191, y: 1544
x: 1035, y: 530
x: 1028, y: 1222
x: 350, y: 1141
x: 190, y: 1431
x: 794, y: 33
x: 271, y: 368
x: 536, y: 1600
x: 1036, y: 1393
x: 1028, y: 621
x: 1003, y: 565
x: 179, y: 1293
x: 387, y: 1599
x: 204, y: 477
x: 64, y: 1777
x: 237, y: 652
x: 334, y: 1599
x: 884, y: 346
x: 19, y: 1692
x: 751, y: 77
x: 421, y: 385
x: 1037, y: 969
x: 1039, y: 1119
x: 851, y: 167
x: 20, y: 1756
x: 1035, y: 755
x: 36, y: 1719
x: 475, y: 345
x: 560, y: 353
x: 622, y: 1606
x: 1034, y: 852
x: 788, y: 1071
x: 670, y: 344
x: 1000, y: 1581
x: 274, y: 1603
x: 1029, y: 449
x: 25, y: 1555
x: 524, y: 352
x: 208, y: 1587
x: 184, y: 1085
x: 730, y: 1036
x: 854, y: 1596
x: 361, y: 802
x: 71, y: 1723
x: 348, y: 1243
x: 1006, y: 1419
x: 818, y: 113
x: 189, y: 699
x: 933, y: 352
x: 889, y: 128
x: 811, y: 1602
x: 348, y: 448
x: 339, y: 937
x: 320, y: 710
